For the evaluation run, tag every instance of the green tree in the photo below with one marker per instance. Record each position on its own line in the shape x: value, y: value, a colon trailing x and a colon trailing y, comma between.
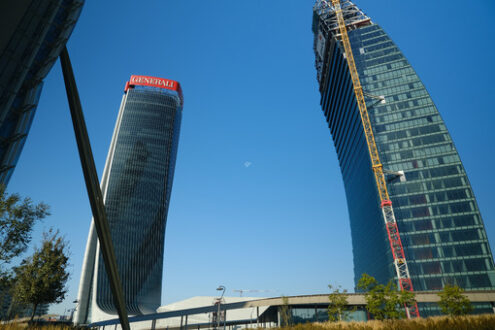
x: 285, y: 312
x: 338, y: 303
x: 17, y: 218
x: 384, y: 301
x: 6, y: 282
x: 453, y: 302
x: 42, y: 277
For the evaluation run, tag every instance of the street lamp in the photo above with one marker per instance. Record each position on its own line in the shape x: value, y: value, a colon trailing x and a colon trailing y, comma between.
x: 74, y: 310
x: 220, y: 288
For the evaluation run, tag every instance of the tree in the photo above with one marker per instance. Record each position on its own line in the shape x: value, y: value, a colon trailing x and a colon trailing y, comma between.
x: 338, y: 303
x: 6, y: 283
x: 384, y: 301
x: 453, y: 302
x: 285, y: 312
x: 42, y: 277
x: 17, y: 218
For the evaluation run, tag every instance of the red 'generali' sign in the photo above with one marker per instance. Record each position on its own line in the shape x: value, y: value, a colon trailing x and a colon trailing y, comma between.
x: 154, y: 82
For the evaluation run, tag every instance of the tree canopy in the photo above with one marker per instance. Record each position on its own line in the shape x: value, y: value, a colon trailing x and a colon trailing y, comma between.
x: 42, y: 277
x: 17, y: 218
x: 285, y: 312
x: 453, y: 302
x: 337, y: 303
x: 384, y: 301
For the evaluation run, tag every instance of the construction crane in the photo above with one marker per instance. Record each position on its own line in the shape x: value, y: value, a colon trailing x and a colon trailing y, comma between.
x: 400, y: 262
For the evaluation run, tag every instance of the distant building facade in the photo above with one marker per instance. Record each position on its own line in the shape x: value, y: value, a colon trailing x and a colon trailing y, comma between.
x: 438, y: 218
x: 33, y: 35
x: 136, y: 186
x: 243, y: 312
x: 10, y: 309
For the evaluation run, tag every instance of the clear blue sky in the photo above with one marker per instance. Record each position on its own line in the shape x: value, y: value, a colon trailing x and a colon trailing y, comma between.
x: 247, y: 71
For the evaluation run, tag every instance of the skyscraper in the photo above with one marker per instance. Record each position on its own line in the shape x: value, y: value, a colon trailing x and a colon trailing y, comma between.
x: 136, y: 186
x: 439, y: 221
x: 33, y: 35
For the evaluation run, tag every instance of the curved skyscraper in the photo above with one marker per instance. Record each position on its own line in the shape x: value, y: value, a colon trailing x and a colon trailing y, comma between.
x: 439, y: 221
x: 136, y: 185
x: 33, y: 33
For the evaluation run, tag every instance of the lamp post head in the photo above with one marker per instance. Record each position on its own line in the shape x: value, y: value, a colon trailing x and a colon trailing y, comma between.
x: 221, y: 288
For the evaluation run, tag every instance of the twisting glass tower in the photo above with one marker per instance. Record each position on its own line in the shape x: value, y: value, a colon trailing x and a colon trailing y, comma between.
x: 439, y: 221
x: 136, y: 186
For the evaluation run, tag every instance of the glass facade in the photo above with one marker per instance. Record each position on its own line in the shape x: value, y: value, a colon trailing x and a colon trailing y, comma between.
x: 33, y: 35
x: 305, y: 314
x: 439, y: 221
x: 137, y: 185
x: 138, y: 194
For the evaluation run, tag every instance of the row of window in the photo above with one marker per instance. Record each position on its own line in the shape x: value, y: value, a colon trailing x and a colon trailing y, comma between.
x: 394, y: 93
x: 149, y: 93
x: 449, y: 195
x: 416, y: 142
x: 388, y: 75
x: 468, y: 282
x: 410, y: 80
x: 439, y: 223
x: 430, y: 185
x: 404, y: 166
x: 439, y: 149
x: 385, y: 67
x: 407, y: 123
x: 434, y: 197
x: 442, y: 209
x: 456, y: 250
x: 434, y: 172
x: 410, y: 132
x: 394, y: 104
x: 414, y: 111
x: 415, y: 153
x: 443, y: 237
x: 377, y: 53
x: 371, y: 40
x: 453, y: 158
x: 454, y: 266
x: 451, y: 208
x: 378, y: 46
x: 368, y: 33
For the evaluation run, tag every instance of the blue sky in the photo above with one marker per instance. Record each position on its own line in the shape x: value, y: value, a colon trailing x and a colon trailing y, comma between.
x: 250, y: 90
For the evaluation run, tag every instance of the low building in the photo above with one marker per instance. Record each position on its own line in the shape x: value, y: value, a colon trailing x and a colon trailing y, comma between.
x: 247, y: 315
x: 243, y: 312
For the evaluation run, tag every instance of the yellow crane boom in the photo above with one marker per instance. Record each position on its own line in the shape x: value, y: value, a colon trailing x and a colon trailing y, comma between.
x: 400, y: 262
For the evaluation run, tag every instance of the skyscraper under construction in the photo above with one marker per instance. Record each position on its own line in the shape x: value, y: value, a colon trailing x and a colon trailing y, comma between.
x: 440, y: 225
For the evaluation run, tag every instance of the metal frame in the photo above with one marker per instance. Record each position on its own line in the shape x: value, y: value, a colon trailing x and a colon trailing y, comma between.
x: 93, y: 188
x: 351, y: 13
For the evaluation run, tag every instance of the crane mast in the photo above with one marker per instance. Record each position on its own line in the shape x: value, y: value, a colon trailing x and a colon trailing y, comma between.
x: 400, y: 262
